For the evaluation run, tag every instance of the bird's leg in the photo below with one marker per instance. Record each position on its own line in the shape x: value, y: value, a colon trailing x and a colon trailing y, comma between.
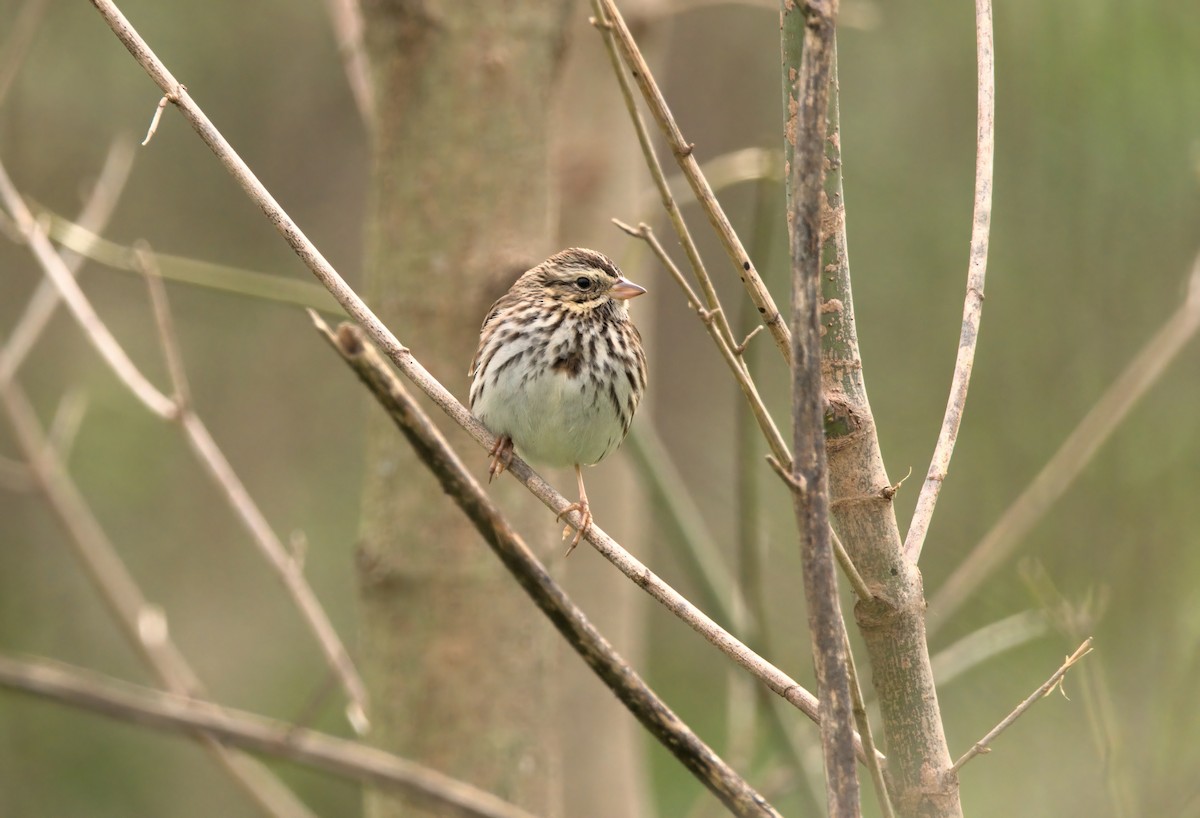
x: 585, y: 513
x: 502, y: 452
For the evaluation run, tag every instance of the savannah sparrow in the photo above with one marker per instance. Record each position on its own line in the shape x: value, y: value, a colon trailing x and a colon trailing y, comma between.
x: 560, y: 369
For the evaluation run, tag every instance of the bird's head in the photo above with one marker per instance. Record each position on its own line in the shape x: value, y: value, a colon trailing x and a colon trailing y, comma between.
x: 581, y: 280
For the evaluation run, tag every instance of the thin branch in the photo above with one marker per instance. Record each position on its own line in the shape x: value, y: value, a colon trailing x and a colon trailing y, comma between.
x: 1054, y: 681
x: 94, y: 329
x: 857, y: 583
x: 287, y: 568
x: 712, y: 301
x: 1075, y: 453
x: 158, y: 112
x: 985, y: 154
x: 810, y: 469
x: 189, y: 715
x: 404, y: 360
x: 165, y: 325
x: 15, y: 475
x: 124, y: 598
x: 724, y: 343
x: 797, y: 486
x: 433, y: 449
x: 878, y: 780
x: 683, y: 152
x: 201, y: 442
x: 347, y: 21
x: 94, y: 216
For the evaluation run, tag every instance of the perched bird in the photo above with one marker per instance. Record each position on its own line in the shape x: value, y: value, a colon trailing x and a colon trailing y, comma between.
x: 560, y: 369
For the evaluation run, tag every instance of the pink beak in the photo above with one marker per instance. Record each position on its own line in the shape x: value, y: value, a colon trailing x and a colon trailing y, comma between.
x: 625, y: 289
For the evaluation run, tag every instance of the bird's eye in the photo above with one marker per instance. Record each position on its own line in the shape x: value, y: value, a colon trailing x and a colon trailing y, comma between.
x: 583, y: 283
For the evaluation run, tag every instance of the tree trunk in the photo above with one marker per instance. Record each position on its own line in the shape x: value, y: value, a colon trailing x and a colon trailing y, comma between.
x: 457, y: 660
x: 601, y: 174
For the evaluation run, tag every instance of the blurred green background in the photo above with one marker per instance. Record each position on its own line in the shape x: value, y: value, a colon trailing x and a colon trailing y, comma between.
x: 1095, y: 228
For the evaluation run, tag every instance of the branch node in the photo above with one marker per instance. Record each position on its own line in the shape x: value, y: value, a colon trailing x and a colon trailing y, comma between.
x: 740, y: 349
x: 888, y: 492
x: 797, y: 484
x: 686, y: 150
x: 169, y: 97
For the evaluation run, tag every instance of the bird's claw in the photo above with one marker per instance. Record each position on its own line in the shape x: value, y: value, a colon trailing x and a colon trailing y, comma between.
x: 585, y: 514
x: 502, y: 452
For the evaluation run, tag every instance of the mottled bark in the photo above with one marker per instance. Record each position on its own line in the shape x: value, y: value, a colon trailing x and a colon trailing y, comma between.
x: 458, y: 661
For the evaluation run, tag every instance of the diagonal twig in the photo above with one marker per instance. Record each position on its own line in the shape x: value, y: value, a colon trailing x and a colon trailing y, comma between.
x: 97, y: 334
x: 94, y: 216
x: 184, y: 713
x: 144, y: 624
x: 729, y: 353
x: 202, y: 443
x: 981, y: 746
x: 683, y: 152
x: 985, y: 153
x: 434, y: 450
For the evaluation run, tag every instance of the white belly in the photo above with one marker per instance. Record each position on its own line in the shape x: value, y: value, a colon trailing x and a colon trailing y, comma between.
x: 553, y: 419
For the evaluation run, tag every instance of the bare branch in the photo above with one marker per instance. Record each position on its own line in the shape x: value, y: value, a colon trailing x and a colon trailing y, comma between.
x: 1054, y: 681
x: 718, y: 330
x: 433, y: 449
x: 187, y: 714
x: 861, y: 589
x: 94, y: 329
x: 1075, y: 453
x: 287, y: 568
x: 667, y: 199
x: 683, y: 152
x: 810, y: 493
x: 95, y: 215
x: 124, y: 598
x: 985, y: 154
x: 158, y: 112
x: 874, y: 766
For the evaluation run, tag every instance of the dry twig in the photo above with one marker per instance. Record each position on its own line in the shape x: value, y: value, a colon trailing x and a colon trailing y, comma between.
x: 202, y: 443
x: 186, y: 714
x: 1054, y: 681
x: 143, y: 623
x: 985, y: 152
x: 683, y: 152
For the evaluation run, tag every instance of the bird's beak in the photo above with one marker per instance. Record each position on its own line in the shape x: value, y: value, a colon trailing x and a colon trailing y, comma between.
x: 625, y: 289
